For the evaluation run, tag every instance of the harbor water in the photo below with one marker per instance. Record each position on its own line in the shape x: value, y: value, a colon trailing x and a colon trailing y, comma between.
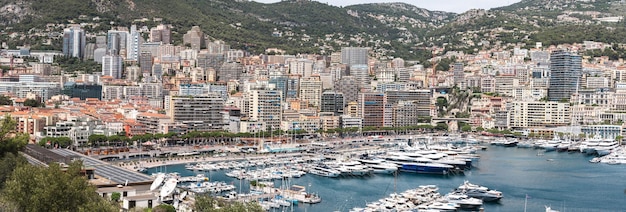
x: 563, y: 181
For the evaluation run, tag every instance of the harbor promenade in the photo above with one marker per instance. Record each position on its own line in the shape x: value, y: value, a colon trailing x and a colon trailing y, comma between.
x: 157, y: 162
x: 231, y: 153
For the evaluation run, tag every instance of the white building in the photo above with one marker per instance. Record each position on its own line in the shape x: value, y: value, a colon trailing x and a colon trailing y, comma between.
x: 112, y: 66
x: 524, y: 114
x: 311, y: 91
x: 603, y: 131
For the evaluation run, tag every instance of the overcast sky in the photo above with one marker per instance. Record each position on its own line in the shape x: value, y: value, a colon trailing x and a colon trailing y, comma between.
x: 457, y: 6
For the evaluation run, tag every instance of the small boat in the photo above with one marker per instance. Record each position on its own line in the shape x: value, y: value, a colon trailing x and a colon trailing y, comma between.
x: 524, y: 145
x: 548, y: 209
x: 464, y: 201
x: 182, y: 196
x: 479, y: 192
x: 510, y: 143
x: 157, y: 181
x: 299, y: 194
x: 168, y: 188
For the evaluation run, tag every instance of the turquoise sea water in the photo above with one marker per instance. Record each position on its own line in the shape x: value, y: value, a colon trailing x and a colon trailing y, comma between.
x: 564, y: 181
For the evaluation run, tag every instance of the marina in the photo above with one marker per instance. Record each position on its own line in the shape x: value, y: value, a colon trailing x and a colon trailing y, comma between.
x: 552, y: 179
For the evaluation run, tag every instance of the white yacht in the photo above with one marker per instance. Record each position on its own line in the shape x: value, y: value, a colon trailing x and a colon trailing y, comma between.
x: 323, y: 171
x: 464, y: 201
x: 169, y: 187
x: 380, y: 166
x: 605, y: 148
x: 157, y: 181
x: 354, y: 168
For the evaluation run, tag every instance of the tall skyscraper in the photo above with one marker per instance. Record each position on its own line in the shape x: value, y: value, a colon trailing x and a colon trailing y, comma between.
x: 195, y: 38
x: 361, y: 74
x: 134, y: 40
x: 112, y: 66
x: 161, y: 33
x: 459, y: 74
x: 280, y: 83
x: 116, y: 42
x: 354, y: 55
x: 145, y: 61
x: 349, y: 87
x: 74, y: 42
x: 293, y: 86
x: 565, y: 74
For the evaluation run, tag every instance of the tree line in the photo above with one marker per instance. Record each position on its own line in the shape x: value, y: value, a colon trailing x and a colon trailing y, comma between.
x: 25, y: 187
x: 59, y: 187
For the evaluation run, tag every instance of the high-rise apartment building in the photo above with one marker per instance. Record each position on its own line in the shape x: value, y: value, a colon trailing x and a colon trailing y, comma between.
x: 200, y: 113
x: 116, y: 42
x: 266, y: 106
x: 161, y: 33
x: 361, y: 75
x: 311, y: 90
x: 332, y: 102
x: 524, y: 114
x: 230, y: 71
x: 205, y: 61
x: 302, y: 67
x: 279, y: 83
x: 74, y: 42
x: 145, y: 62
x: 420, y: 99
x: 112, y: 66
x: 195, y: 38
x: 459, y: 75
x: 406, y: 113
x: 372, y: 108
x: 565, y: 74
x: 293, y: 86
x: 134, y: 40
x: 354, y: 55
x: 349, y: 87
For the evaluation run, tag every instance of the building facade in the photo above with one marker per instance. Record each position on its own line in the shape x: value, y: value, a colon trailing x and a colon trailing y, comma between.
x: 565, y: 74
x: 524, y: 114
x: 200, y: 113
x: 74, y: 42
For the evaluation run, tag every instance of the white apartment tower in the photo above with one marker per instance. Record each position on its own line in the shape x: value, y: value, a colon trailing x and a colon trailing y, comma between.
x: 265, y: 106
x: 311, y: 90
x: 112, y: 66
x: 133, y: 43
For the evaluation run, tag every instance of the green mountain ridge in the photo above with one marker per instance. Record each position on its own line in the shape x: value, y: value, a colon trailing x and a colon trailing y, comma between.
x: 391, y: 29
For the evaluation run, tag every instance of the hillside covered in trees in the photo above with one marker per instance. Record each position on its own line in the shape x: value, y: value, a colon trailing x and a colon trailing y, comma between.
x: 391, y: 29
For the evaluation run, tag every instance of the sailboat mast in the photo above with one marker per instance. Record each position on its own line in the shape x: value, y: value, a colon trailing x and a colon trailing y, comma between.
x: 395, y: 181
x: 525, y: 202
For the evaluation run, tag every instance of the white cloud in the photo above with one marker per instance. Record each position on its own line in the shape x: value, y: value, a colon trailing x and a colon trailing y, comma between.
x: 457, y: 6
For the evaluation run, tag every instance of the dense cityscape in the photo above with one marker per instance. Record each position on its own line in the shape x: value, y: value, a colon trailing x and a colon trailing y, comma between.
x: 148, y: 90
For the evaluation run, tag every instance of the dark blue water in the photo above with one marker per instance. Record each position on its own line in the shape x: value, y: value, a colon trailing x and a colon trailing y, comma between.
x: 564, y: 181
